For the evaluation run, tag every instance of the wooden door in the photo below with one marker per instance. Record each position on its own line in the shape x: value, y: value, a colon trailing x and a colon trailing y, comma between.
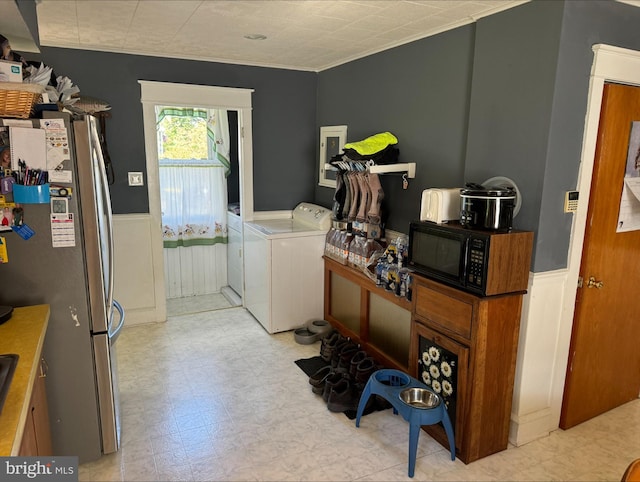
x: 603, y: 369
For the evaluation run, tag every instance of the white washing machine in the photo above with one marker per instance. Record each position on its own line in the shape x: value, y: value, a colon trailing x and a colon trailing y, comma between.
x: 283, y: 268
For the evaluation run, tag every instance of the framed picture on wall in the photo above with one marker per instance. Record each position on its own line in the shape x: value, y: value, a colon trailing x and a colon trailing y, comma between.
x: 332, y: 141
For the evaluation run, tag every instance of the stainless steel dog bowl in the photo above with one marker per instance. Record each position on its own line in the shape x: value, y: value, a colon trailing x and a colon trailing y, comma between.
x: 419, y: 398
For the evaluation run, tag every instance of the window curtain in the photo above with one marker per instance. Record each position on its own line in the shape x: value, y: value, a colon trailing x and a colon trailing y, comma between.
x: 218, y: 138
x: 193, y: 192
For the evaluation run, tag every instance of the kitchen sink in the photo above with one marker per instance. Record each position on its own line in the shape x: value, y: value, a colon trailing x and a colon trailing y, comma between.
x: 7, y: 367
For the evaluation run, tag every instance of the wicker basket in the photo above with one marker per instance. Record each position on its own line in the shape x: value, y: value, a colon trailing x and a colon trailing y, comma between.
x: 18, y: 100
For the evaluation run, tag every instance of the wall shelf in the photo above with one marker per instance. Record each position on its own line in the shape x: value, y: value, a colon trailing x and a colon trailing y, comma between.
x: 406, y: 167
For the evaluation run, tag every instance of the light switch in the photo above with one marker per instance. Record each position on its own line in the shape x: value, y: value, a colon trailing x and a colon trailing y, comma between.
x: 136, y: 179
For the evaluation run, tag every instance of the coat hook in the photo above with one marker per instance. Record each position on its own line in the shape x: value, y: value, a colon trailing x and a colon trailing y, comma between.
x: 405, y: 182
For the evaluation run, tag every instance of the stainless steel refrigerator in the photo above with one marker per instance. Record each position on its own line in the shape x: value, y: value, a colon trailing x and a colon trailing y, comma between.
x: 77, y: 282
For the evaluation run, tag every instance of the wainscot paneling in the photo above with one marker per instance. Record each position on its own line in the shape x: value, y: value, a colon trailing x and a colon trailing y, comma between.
x: 139, y: 282
x: 542, y: 359
x: 196, y: 270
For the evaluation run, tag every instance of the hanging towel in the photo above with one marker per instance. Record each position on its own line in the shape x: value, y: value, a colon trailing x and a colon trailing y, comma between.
x: 373, y: 144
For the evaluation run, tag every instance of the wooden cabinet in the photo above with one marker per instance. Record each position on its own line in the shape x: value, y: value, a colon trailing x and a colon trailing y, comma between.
x: 36, y: 439
x: 24, y: 421
x: 476, y: 338
x: 373, y: 317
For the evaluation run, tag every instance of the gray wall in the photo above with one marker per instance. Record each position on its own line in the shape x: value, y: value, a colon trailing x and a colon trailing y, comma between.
x: 584, y: 24
x: 284, y: 106
x: 420, y: 93
x: 529, y: 101
x: 512, y: 100
x: 504, y: 97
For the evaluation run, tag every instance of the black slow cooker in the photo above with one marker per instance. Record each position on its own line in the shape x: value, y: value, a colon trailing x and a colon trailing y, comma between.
x: 487, y: 207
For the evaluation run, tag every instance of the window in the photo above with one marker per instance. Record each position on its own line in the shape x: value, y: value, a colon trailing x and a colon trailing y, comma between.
x: 193, y: 149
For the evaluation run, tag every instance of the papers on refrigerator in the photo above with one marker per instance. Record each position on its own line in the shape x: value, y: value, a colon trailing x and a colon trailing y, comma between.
x: 27, y: 145
x: 63, y: 233
x: 57, y: 142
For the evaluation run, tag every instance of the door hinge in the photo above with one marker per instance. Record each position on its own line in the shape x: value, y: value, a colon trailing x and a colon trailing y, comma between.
x: 579, y: 281
x: 242, y: 132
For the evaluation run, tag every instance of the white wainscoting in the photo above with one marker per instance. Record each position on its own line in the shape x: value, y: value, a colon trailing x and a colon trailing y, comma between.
x: 139, y: 278
x: 542, y: 359
x: 197, y: 270
x: 139, y: 284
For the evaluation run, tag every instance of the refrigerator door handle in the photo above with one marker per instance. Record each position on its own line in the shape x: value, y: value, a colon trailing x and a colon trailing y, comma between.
x: 114, y: 333
x: 106, y: 196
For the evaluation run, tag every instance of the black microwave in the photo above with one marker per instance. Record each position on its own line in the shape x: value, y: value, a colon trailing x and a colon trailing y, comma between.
x: 486, y: 263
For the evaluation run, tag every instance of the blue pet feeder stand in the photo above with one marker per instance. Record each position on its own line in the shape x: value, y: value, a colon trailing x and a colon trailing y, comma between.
x: 396, y: 387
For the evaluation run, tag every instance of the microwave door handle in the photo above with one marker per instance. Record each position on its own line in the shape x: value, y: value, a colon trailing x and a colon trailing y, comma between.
x: 465, y: 261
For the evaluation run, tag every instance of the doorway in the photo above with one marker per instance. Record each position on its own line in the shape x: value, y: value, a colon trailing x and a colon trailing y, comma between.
x: 158, y: 94
x: 195, y: 166
x: 611, y: 64
x: 604, y: 364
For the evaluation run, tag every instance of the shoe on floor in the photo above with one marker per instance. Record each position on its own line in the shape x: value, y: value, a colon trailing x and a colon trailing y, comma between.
x: 342, y: 397
x: 329, y: 383
x: 328, y: 345
x: 345, y: 357
x: 357, y: 358
x: 317, y: 380
x: 347, y: 346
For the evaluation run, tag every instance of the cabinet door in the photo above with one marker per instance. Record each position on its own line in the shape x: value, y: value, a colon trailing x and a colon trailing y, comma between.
x: 389, y: 328
x: 443, y: 365
x: 36, y: 439
x: 40, y: 410
x: 345, y: 302
x: 29, y: 446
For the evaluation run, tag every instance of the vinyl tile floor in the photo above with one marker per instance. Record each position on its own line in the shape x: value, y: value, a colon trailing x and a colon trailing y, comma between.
x: 197, y: 304
x: 212, y: 396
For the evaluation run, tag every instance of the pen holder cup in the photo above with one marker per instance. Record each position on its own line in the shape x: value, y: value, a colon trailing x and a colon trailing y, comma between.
x: 31, y: 194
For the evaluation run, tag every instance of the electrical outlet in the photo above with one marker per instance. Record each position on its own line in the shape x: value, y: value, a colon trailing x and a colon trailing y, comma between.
x: 136, y: 179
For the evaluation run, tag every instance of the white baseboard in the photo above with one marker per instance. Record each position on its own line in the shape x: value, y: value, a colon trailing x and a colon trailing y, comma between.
x: 530, y: 427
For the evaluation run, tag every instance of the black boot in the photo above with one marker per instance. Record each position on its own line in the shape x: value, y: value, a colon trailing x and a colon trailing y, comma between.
x: 317, y: 380
x: 342, y: 397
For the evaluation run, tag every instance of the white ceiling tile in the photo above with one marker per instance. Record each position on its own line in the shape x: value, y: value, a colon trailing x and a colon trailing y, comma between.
x: 301, y: 34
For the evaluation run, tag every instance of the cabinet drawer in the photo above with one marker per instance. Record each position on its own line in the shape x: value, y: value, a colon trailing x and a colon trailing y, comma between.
x: 448, y: 312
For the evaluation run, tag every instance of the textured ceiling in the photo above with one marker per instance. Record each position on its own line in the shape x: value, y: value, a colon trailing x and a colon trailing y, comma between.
x: 301, y: 34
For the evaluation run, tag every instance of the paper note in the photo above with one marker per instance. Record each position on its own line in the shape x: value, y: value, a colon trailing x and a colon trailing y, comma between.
x: 57, y: 142
x: 629, y: 214
x: 62, y: 230
x: 28, y: 145
x: 17, y: 123
x: 60, y: 176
